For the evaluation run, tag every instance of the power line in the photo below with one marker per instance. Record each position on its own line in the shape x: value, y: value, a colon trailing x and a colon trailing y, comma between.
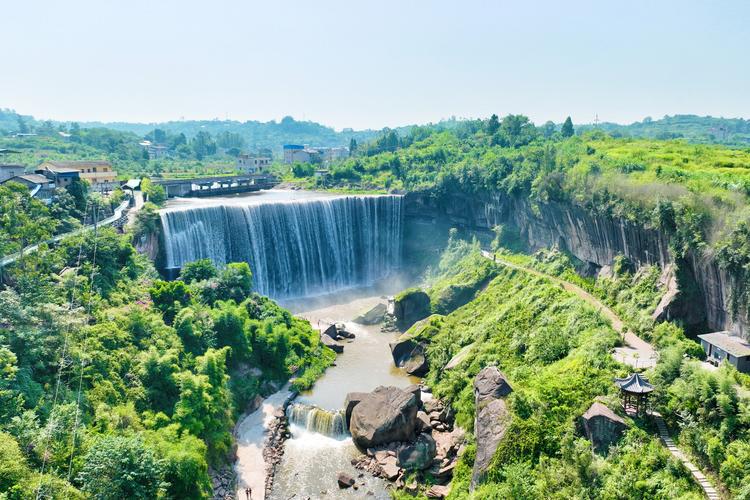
x: 63, y: 356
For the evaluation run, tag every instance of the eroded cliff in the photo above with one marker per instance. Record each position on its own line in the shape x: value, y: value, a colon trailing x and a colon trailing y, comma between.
x: 594, y: 239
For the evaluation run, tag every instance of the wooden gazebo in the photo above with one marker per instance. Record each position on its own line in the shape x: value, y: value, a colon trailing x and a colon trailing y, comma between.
x: 634, y: 390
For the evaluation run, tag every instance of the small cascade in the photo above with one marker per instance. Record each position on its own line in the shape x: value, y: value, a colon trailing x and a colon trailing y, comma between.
x: 314, y: 419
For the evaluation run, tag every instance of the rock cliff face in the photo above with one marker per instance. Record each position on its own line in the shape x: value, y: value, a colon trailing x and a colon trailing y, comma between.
x: 594, y: 239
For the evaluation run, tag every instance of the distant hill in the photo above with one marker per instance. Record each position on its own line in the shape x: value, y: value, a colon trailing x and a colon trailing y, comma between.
x: 699, y: 129
x: 256, y: 134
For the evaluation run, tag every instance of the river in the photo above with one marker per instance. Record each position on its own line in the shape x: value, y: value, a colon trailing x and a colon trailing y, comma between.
x: 342, y: 254
x: 312, y: 460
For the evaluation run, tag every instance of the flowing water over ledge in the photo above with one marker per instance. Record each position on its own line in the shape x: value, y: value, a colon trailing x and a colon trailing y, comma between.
x: 297, y: 244
x: 313, y: 459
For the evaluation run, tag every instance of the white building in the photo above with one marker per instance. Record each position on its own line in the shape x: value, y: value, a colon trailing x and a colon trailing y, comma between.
x: 253, y: 164
x: 10, y: 170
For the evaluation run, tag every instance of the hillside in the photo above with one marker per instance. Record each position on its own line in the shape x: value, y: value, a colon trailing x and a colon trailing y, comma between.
x: 699, y: 129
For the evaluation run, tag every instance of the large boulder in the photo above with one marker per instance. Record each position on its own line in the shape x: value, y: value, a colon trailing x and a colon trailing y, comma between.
x: 410, y: 355
x: 345, y: 480
x: 492, y: 417
x: 383, y: 416
x: 602, y: 426
x: 410, y: 306
x: 417, y: 455
x: 329, y: 342
x: 373, y: 316
x: 352, y: 399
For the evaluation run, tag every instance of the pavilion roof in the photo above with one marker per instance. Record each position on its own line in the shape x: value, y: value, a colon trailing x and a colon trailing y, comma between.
x: 634, y: 383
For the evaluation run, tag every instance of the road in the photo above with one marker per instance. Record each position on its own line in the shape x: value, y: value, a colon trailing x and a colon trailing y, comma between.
x: 9, y: 259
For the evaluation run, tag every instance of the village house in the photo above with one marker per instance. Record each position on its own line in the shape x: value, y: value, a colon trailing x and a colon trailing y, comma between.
x: 720, y: 346
x: 253, y: 163
x: 10, y: 170
x: 39, y: 186
x: 99, y: 173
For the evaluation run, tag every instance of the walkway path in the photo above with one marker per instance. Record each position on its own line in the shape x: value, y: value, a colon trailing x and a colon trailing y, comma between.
x: 9, y: 259
x: 637, y: 352
x: 138, y: 198
x: 699, y: 477
x: 251, y: 435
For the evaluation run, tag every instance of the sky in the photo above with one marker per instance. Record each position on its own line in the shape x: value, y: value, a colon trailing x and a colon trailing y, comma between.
x: 370, y: 64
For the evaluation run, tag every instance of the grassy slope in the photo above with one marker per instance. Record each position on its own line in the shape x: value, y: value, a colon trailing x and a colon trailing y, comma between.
x: 554, y: 349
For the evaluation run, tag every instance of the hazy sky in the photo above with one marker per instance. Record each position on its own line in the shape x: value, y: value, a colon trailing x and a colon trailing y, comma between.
x: 371, y: 64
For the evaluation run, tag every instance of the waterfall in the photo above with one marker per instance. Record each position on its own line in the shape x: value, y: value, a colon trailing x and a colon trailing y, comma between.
x: 314, y: 419
x: 294, y: 248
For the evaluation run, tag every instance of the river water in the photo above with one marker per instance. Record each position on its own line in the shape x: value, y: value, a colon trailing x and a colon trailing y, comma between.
x: 351, y: 244
x: 311, y: 460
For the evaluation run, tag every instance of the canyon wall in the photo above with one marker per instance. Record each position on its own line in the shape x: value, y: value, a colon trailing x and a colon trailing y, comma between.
x: 594, y: 239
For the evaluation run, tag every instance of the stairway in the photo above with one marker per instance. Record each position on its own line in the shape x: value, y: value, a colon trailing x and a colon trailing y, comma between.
x: 701, y: 479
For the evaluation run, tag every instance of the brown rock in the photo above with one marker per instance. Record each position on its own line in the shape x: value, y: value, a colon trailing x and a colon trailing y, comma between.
x: 385, y: 415
x: 345, y: 480
x: 437, y: 491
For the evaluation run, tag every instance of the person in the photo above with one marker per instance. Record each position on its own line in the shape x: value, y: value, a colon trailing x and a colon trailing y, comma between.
x: 248, y: 493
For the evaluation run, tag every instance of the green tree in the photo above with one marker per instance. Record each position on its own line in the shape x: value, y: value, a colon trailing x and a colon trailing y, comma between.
x: 205, y: 405
x: 158, y: 374
x: 169, y: 297
x: 235, y: 282
x: 118, y: 467
x: 184, y: 460
x: 198, y: 270
x: 493, y: 124
x: 567, y: 128
x: 352, y: 147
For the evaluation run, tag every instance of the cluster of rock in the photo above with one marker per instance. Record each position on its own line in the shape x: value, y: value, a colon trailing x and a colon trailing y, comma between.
x: 400, y: 433
x: 273, y: 448
x: 223, y: 482
x: 331, y: 335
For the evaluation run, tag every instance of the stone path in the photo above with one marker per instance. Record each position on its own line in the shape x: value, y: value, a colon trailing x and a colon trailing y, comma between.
x: 699, y: 477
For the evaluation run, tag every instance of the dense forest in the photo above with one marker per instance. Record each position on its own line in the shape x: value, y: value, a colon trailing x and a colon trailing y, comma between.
x: 116, y: 384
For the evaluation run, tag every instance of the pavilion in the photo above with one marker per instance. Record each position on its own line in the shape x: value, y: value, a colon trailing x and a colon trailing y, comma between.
x: 634, y: 390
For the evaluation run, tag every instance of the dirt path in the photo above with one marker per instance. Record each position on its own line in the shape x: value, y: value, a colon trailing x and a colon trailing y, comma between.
x: 636, y: 353
x: 251, y: 435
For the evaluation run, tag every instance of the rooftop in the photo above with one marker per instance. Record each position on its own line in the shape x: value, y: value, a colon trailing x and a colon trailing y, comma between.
x: 33, y: 178
x: 11, y: 165
x: 59, y: 170
x: 600, y: 410
x: 723, y: 340
x: 634, y: 383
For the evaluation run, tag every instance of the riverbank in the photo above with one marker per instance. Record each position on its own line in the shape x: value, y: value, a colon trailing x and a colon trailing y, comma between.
x: 251, y: 434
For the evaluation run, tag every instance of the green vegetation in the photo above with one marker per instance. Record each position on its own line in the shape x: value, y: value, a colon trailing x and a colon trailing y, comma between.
x: 555, y: 350
x: 115, y: 384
